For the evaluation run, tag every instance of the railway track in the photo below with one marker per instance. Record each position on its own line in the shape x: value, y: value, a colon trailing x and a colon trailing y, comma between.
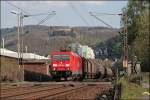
x: 16, y: 87
x: 88, y: 92
x: 26, y: 90
x: 50, y: 91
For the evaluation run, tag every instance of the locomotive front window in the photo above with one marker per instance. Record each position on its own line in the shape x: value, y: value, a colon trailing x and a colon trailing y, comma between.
x: 65, y: 57
x: 60, y: 57
x: 56, y: 57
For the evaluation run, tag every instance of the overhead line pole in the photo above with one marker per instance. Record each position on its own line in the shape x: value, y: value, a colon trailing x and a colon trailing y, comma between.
x: 20, y: 17
x: 125, y: 38
x: 125, y: 58
x: 18, y: 36
x: 3, y: 42
x: 22, y: 32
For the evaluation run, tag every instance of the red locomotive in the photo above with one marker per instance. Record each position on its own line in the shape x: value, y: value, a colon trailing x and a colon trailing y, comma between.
x: 69, y: 64
x: 65, y: 64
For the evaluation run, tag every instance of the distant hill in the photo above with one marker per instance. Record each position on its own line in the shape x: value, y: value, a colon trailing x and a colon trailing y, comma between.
x: 43, y: 39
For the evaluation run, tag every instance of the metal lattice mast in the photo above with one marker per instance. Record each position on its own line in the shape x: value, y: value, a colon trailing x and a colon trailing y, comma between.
x: 125, y: 56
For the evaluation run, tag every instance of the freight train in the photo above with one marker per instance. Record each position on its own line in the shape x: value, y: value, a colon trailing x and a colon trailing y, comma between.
x: 69, y: 64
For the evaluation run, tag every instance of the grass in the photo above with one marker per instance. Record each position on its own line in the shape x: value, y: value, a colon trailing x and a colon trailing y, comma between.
x: 131, y: 90
x: 146, y: 78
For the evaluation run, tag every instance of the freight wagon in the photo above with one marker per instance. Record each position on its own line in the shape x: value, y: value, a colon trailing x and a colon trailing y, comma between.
x: 96, y: 69
x: 82, y: 50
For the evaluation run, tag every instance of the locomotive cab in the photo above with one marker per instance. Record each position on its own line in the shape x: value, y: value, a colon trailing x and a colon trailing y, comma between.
x: 60, y: 65
x: 64, y: 64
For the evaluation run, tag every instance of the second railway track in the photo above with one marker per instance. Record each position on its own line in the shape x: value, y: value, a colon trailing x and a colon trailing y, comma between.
x: 50, y: 91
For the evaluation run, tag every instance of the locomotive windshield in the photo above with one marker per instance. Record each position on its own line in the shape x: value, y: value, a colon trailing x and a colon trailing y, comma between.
x: 60, y: 57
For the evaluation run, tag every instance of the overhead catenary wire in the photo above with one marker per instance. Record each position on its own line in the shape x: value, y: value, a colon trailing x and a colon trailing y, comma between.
x: 28, y: 14
x: 91, y: 13
x: 110, y: 26
x: 96, y: 13
x: 100, y: 20
x: 84, y: 9
x: 78, y: 13
x: 22, y: 10
x: 46, y: 18
x: 40, y: 14
x: 94, y: 21
x: 17, y: 7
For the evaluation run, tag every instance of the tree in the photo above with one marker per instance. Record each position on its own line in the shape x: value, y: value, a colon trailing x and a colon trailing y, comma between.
x: 138, y: 29
x: 141, y: 43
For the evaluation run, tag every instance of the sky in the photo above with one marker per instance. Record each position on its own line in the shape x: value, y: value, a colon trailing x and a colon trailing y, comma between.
x: 68, y: 13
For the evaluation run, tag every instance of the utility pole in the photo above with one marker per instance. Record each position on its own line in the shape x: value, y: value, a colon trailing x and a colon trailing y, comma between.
x: 125, y: 36
x: 22, y: 32
x: 20, y: 17
x: 26, y: 48
x: 125, y: 56
x: 3, y: 43
x: 18, y: 37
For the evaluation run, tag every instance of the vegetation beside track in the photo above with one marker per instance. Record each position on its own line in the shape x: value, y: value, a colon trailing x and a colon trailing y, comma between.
x: 131, y: 90
x: 146, y: 78
x: 138, y: 31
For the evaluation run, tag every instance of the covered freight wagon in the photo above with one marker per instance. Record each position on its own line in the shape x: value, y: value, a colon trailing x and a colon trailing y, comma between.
x: 96, y: 69
x: 82, y: 50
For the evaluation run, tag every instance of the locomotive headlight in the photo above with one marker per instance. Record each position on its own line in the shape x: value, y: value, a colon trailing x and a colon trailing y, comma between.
x: 67, y: 65
x: 54, y: 65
